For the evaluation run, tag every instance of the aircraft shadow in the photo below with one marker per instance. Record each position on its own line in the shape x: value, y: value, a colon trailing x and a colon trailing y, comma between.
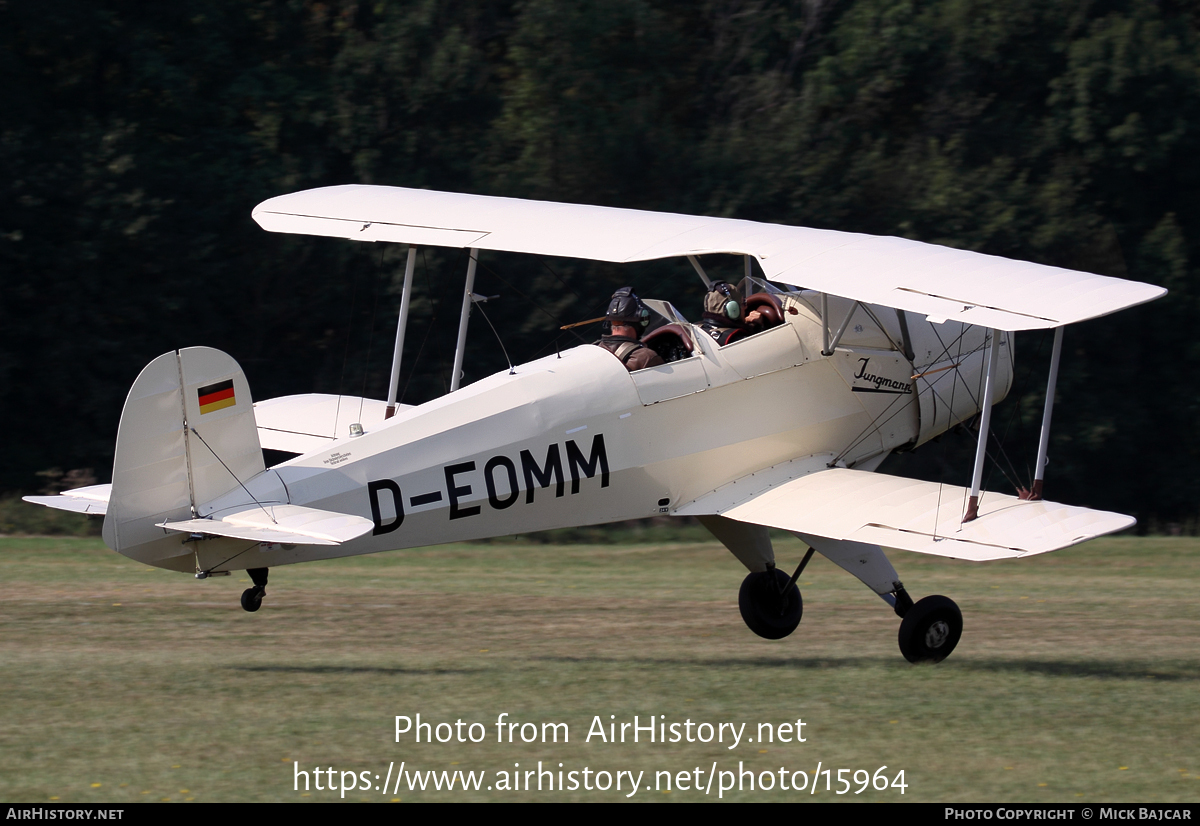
x: 724, y: 662
x: 1172, y: 671
x: 353, y: 669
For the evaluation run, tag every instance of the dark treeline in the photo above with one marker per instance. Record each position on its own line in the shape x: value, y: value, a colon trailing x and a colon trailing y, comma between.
x: 135, y: 138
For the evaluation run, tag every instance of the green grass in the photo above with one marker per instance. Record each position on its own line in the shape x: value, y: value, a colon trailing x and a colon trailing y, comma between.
x: 1076, y: 678
x: 19, y: 517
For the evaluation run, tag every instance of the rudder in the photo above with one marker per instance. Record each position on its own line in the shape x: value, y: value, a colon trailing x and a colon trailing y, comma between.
x: 186, y: 408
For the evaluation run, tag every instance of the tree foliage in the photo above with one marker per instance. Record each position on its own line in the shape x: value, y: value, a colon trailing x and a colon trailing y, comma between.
x: 136, y: 138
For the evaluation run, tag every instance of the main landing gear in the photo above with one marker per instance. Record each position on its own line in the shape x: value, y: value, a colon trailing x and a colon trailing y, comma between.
x: 929, y: 629
x: 770, y: 601
x: 252, y: 597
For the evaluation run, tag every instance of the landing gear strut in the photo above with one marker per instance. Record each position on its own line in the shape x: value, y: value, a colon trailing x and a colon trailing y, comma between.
x: 252, y: 597
x: 930, y: 630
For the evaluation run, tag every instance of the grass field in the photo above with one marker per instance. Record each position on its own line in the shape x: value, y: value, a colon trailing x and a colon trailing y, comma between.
x: 1076, y: 679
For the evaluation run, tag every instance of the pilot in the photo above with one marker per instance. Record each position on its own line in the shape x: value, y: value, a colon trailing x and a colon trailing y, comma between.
x: 725, y: 319
x: 628, y: 317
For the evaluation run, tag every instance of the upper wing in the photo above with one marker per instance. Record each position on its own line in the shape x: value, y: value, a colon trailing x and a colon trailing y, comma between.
x: 904, y: 513
x: 932, y: 280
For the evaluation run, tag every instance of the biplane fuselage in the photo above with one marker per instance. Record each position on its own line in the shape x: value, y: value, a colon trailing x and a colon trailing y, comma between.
x: 576, y: 439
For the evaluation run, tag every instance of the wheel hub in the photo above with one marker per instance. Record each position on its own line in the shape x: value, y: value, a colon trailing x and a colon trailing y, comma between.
x: 937, y: 634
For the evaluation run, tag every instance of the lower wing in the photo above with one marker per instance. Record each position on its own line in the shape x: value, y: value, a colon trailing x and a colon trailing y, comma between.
x: 925, y: 517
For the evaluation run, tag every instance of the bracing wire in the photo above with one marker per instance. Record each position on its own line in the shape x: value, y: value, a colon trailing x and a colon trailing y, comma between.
x: 978, y: 401
x: 537, y: 306
x: 560, y: 280
x: 1015, y: 413
x: 213, y: 569
x: 231, y: 473
x: 878, y: 422
x: 370, y: 338
x: 436, y: 346
x: 503, y: 349
x: 937, y: 513
x: 428, y: 330
x: 346, y: 355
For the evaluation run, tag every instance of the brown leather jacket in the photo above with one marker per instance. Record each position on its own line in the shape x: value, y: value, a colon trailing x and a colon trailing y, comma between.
x: 632, y: 353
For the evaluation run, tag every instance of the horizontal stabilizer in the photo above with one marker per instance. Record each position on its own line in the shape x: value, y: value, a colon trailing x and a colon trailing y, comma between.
x: 280, y: 524
x: 91, y: 500
x: 925, y: 517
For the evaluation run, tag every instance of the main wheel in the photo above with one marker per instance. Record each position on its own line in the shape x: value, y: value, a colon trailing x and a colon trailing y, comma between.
x: 930, y: 630
x: 252, y: 599
x: 767, y: 612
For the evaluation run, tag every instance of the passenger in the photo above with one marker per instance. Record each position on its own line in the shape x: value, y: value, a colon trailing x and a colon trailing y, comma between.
x: 628, y: 317
x: 725, y: 318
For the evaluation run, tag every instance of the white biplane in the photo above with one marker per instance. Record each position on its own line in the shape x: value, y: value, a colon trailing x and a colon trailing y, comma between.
x: 872, y: 344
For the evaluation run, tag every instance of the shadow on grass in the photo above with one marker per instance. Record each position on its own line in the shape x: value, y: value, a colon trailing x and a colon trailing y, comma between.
x: 1167, y: 672
x: 351, y: 669
x: 1106, y: 670
x: 724, y: 662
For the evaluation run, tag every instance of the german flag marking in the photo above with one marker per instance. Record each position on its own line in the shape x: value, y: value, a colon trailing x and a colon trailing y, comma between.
x: 216, y: 396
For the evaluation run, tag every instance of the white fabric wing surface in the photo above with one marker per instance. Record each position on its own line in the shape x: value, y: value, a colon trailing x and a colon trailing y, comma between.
x: 303, y: 423
x: 935, y: 281
x: 914, y: 516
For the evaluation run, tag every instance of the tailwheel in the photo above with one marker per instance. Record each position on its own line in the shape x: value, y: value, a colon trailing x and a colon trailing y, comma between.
x: 252, y: 597
x: 930, y: 630
x: 770, y: 603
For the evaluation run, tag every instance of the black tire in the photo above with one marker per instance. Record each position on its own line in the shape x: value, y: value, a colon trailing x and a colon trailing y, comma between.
x: 252, y: 599
x: 767, y: 612
x: 930, y: 630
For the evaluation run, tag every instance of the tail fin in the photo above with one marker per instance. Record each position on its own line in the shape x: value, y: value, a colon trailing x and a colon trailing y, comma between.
x: 187, y: 436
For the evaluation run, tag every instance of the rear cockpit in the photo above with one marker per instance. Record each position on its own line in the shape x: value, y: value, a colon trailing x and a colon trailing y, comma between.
x: 673, y: 336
